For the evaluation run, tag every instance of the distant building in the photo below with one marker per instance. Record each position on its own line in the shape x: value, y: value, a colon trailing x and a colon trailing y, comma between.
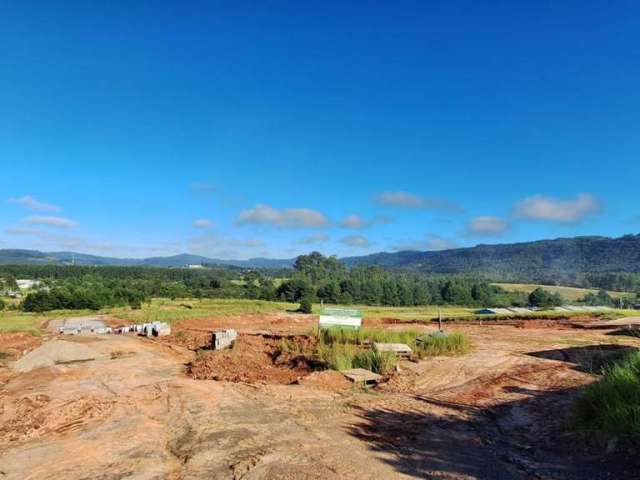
x: 26, y: 284
x: 194, y: 266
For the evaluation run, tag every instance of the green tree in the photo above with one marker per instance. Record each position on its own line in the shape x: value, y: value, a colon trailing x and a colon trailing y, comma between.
x: 542, y: 298
x: 305, y: 305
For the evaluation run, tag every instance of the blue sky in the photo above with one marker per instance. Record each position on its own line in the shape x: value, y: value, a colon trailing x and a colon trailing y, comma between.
x: 242, y: 129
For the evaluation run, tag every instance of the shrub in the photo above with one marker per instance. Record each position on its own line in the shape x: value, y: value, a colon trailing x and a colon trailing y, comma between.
x: 135, y: 304
x: 2, y: 304
x: 612, y: 405
x: 305, y: 305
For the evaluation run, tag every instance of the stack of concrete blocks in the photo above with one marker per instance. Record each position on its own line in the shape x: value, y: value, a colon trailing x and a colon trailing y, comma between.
x: 161, y: 329
x: 153, y: 329
x: 70, y: 330
x: 223, y: 339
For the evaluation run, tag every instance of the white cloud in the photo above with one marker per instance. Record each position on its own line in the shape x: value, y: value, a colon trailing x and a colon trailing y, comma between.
x: 551, y: 209
x: 353, y: 221
x: 410, y: 200
x: 32, y: 203
x: 50, y: 221
x: 311, y: 239
x: 355, y: 241
x: 486, y: 225
x: 356, y: 221
x: 282, y: 218
x: 202, y: 223
x: 431, y: 242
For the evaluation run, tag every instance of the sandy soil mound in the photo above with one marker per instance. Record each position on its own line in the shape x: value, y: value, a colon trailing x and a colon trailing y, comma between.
x: 36, y: 415
x: 253, y: 358
x: 328, y: 380
x: 15, y: 344
x: 273, y: 322
x: 53, y: 353
x: 191, y: 339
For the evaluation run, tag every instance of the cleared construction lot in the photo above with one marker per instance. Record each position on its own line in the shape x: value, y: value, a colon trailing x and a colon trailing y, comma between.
x: 136, y: 408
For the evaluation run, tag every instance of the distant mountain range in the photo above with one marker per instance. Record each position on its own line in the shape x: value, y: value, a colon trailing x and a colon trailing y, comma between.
x: 565, y: 256
x: 13, y: 256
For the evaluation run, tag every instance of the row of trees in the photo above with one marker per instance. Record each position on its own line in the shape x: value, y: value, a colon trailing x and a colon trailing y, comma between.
x: 313, y: 278
x: 91, y: 296
x: 317, y: 277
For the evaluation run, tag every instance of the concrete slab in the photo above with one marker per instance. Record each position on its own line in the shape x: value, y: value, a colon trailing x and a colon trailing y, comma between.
x: 360, y: 375
x: 400, y: 349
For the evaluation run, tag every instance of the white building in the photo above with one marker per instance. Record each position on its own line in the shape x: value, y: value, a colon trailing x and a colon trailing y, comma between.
x: 26, y: 284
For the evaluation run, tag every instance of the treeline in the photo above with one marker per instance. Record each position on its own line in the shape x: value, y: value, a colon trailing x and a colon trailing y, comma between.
x: 314, y: 278
x: 64, y: 272
x: 90, y: 296
x: 619, y: 282
x: 317, y: 277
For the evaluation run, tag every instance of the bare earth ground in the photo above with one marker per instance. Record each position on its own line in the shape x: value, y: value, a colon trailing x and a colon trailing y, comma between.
x: 499, y: 412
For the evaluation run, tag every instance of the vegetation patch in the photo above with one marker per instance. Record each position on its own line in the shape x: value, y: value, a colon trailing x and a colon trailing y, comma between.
x: 454, y: 343
x: 342, y: 349
x: 611, y: 406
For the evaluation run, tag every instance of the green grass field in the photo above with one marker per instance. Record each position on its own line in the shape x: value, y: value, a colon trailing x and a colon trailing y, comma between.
x: 172, y: 311
x: 158, y: 309
x: 569, y: 293
x: 175, y: 310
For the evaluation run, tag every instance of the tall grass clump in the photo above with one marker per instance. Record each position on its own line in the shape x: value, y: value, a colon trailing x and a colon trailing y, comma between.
x: 368, y: 335
x: 454, y: 343
x: 378, y: 362
x: 611, y: 406
x: 337, y: 356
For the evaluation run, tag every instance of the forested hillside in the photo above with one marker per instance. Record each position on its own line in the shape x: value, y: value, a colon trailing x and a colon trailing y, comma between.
x: 600, y: 262
x: 564, y: 260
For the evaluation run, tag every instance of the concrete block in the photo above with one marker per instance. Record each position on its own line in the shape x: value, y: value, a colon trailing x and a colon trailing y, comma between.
x: 223, y: 339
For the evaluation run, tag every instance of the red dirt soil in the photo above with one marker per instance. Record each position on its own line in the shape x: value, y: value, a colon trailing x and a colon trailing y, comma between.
x: 252, y: 359
x: 328, y: 380
x: 277, y: 322
x: 16, y: 344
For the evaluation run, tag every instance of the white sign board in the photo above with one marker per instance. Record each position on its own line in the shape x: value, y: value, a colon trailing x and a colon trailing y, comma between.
x: 334, y: 317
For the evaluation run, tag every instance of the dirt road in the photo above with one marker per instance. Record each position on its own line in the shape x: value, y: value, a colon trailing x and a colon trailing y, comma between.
x: 497, y: 413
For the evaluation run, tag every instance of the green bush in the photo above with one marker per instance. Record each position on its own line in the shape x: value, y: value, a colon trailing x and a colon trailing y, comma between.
x: 305, y: 306
x: 612, y: 405
x: 2, y: 304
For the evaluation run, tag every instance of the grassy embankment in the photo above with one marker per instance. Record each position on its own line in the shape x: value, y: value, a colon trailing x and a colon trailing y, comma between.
x: 571, y: 294
x: 611, y: 406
